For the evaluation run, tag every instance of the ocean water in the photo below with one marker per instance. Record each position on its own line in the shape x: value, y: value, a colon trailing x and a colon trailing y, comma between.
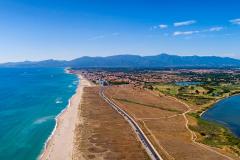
x: 227, y: 113
x: 30, y: 99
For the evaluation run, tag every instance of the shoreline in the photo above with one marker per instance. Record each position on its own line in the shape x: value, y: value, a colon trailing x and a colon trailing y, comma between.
x: 219, y: 123
x: 229, y: 154
x: 62, y: 136
x: 214, y: 103
x: 55, y: 127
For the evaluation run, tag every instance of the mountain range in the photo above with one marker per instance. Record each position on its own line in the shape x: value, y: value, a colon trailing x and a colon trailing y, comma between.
x: 134, y: 61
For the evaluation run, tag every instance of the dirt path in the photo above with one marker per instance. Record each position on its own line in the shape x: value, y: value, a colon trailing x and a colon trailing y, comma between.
x: 194, y: 136
x: 169, y: 131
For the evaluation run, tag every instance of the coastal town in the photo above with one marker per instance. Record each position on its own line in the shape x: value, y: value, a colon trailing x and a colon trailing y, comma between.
x: 140, y: 77
x: 120, y: 80
x: 155, y: 102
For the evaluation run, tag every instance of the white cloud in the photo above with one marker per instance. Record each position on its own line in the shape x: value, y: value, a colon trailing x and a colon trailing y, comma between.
x: 179, y: 33
x: 163, y: 26
x: 215, y: 29
x: 185, y: 23
x: 235, y: 21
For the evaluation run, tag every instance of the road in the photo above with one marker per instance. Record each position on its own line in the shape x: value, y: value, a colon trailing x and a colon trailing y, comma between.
x: 152, y: 152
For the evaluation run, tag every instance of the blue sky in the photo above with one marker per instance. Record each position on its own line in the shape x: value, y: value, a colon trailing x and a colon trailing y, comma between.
x: 67, y: 29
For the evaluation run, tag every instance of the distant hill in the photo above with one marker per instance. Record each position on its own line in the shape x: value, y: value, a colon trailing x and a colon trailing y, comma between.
x: 162, y: 60
x: 46, y: 63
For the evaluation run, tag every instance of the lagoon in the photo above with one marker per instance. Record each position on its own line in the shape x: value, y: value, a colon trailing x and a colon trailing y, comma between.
x: 227, y: 113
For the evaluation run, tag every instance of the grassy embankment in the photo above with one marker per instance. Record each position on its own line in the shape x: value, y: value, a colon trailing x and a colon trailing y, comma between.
x: 201, y: 97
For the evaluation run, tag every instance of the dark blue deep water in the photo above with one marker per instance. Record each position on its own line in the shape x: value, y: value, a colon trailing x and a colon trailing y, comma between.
x: 30, y: 99
x: 226, y: 112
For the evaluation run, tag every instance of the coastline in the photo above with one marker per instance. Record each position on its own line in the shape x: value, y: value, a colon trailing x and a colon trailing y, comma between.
x: 229, y: 154
x: 227, y: 132
x: 62, y: 136
x: 219, y: 123
x: 212, y: 105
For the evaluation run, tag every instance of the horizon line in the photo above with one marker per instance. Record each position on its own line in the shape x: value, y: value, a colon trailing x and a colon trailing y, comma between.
x: 127, y: 54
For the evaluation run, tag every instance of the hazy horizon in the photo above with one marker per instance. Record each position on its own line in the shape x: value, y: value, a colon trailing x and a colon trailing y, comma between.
x: 67, y: 29
x: 114, y: 55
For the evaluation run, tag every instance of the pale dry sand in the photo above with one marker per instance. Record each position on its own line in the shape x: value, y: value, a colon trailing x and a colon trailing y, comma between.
x: 61, y: 144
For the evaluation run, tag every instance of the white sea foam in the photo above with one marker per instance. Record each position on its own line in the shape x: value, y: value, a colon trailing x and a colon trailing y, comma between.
x: 58, y: 100
x: 55, y: 127
x: 56, y: 119
x: 75, y: 82
x: 43, y: 119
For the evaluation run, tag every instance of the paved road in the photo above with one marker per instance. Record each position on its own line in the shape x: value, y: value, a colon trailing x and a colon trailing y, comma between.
x: 140, y: 134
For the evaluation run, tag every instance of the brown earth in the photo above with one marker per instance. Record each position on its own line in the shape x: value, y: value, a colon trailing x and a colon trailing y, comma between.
x: 102, y: 133
x: 161, y: 118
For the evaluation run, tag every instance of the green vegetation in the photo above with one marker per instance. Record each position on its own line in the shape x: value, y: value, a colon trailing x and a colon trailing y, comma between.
x: 202, y: 96
x: 215, y: 135
x: 168, y: 89
x: 212, y: 78
x: 147, y: 105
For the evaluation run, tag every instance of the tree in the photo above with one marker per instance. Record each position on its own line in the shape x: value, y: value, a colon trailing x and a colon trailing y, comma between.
x: 197, y: 92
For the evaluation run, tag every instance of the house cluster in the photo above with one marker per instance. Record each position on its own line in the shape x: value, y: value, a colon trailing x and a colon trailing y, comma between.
x: 132, y: 77
x: 141, y: 77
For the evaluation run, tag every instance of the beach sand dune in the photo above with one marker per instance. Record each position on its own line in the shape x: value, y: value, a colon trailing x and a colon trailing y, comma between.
x: 60, y: 145
x: 102, y: 133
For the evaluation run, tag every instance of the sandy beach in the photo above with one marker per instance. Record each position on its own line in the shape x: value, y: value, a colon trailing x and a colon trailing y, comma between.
x: 60, y: 145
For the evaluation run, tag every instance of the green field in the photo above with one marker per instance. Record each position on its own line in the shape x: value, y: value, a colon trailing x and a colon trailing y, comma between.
x: 203, y: 96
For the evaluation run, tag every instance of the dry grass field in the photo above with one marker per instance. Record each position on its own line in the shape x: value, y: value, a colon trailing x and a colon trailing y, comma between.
x: 162, y: 120
x: 102, y: 133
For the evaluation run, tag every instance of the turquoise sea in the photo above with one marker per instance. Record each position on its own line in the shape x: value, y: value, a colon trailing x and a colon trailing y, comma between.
x: 227, y: 113
x: 30, y: 99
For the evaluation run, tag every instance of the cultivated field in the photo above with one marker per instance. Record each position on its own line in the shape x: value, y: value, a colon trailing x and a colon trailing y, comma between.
x: 102, y: 133
x: 164, y: 120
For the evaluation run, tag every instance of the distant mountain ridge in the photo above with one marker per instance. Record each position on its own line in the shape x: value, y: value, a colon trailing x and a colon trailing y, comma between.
x: 125, y: 61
